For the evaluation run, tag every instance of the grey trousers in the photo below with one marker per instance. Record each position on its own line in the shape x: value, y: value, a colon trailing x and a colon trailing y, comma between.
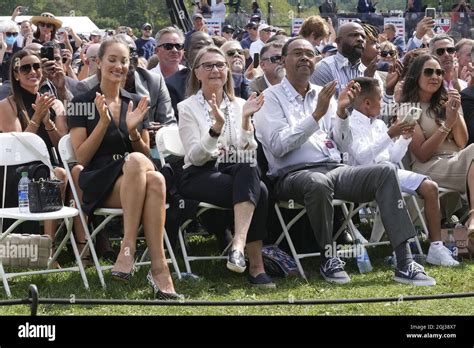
x: 317, y: 186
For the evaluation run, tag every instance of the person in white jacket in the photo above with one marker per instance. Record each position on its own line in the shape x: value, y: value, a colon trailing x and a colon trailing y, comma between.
x: 373, y: 142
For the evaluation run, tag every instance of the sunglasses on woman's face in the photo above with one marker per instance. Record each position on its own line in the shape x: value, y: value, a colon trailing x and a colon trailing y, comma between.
x: 47, y: 25
x: 26, y: 68
x: 387, y: 53
x: 428, y: 72
x: 11, y: 34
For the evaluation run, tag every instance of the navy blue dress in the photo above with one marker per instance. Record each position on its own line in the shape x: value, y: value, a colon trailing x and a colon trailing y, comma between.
x: 99, y: 176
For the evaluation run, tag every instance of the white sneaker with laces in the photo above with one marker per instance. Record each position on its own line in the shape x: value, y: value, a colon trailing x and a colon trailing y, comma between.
x: 441, y: 256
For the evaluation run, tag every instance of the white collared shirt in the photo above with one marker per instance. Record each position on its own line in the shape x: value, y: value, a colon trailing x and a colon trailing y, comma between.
x: 199, y: 146
x: 371, y: 143
x: 288, y: 132
x: 157, y: 69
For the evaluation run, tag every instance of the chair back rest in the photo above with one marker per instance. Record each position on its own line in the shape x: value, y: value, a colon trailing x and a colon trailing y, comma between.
x: 66, y: 150
x: 13, y: 152
x: 168, y: 142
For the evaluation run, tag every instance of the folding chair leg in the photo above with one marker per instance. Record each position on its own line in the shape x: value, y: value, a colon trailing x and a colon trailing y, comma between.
x: 172, y: 257
x: 290, y: 242
x: 4, y: 280
x: 70, y: 235
x: 420, y: 216
x: 183, y: 250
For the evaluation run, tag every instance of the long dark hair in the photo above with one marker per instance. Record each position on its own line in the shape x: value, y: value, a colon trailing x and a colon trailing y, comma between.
x: 411, y: 89
x: 16, y: 89
x: 37, y: 34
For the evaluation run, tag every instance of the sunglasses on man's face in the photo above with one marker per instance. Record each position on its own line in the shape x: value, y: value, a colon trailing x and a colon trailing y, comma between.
x: 233, y: 52
x: 26, y: 68
x: 428, y: 72
x: 47, y: 25
x: 11, y: 34
x: 273, y: 59
x: 387, y: 53
x: 440, y: 51
x: 169, y: 46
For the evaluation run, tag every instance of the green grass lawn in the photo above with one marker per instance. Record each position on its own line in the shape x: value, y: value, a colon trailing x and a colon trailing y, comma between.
x: 219, y: 284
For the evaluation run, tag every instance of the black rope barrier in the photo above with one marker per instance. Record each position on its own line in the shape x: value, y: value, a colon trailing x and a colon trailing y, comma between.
x: 34, y: 300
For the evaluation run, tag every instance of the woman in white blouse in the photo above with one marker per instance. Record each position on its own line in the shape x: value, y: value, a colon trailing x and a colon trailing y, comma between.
x: 220, y: 162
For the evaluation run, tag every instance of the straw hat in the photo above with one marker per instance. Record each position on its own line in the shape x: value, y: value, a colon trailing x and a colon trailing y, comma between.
x: 47, y: 17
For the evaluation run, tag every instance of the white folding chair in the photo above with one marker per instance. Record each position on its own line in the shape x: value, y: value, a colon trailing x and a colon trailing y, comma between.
x: 168, y: 143
x: 68, y: 157
x: 22, y: 148
x: 286, y: 226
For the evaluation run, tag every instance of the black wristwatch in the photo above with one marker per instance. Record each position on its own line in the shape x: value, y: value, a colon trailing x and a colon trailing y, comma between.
x: 213, y: 133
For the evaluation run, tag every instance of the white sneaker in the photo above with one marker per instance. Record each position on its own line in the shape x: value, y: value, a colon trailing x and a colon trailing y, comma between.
x: 441, y: 256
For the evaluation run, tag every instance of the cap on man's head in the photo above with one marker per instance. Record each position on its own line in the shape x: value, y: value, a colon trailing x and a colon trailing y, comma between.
x: 255, y: 18
x: 96, y: 33
x: 197, y: 15
x: 329, y: 48
x: 251, y: 25
x: 146, y: 26
x: 228, y: 28
x: 264, y: 27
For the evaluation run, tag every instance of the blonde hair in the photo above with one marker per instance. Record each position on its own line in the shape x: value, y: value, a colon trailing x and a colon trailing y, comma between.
x: 314, y: 26
x: 388, y: 46
x: 194, y: 85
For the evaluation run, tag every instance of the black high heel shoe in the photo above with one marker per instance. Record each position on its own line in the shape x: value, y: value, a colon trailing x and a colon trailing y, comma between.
x: 123, y: 276
x: 160, y: 295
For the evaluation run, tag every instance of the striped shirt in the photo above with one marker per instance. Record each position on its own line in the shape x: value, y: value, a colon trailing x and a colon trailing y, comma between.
x: 338, y: 67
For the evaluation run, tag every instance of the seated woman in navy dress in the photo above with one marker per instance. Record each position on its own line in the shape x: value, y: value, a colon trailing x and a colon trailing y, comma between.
x: 110, y: 138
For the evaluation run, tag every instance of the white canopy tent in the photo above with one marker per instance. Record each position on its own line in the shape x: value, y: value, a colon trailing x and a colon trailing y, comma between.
x: 81, y: 25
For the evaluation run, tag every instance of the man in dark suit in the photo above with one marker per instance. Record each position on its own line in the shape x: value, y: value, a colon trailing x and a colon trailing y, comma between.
x: 366, y: 6
x: 467, y: 102
x: 273, y: 71
x: 177, y: 82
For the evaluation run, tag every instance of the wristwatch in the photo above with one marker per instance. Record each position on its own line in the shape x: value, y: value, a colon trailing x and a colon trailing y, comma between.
x: 213, y: 133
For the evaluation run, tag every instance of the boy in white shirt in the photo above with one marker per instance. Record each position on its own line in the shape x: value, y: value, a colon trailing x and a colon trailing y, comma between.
x: 373, y: 142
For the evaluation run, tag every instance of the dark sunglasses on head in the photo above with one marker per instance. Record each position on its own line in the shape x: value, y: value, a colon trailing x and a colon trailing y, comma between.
x: 273, y: 59
x: 440, y: 51
x: 47, y: 25
x: 386, y: 53
x: 235, y: 51
x: 11, y: 34
x: 147, y: 28
x: 228, y: 31
x: 26, y: 68
x: 428, y: 72
x: 169, y: 46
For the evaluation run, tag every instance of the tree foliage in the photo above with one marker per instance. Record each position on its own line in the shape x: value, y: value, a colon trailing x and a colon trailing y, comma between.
x: 133, y: 13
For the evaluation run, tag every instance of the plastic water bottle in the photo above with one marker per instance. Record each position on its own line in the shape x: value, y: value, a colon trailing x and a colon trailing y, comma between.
x: 23, y: 203
x: 451, y: 243
x: 362, y: 258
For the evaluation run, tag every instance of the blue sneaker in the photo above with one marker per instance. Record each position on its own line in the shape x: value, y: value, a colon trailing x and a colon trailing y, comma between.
x: 333, y: 271
x: 413, y: 274
x: 262, y: 280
